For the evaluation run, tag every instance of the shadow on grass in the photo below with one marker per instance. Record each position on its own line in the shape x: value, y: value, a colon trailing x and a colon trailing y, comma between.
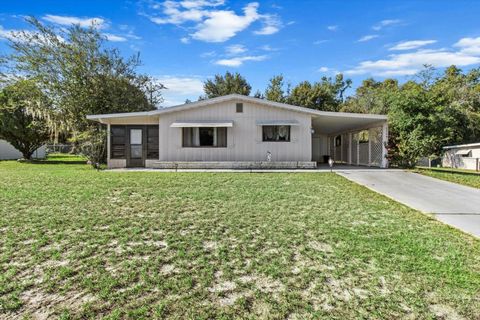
x: 56, y: 161
x: 58, y: 158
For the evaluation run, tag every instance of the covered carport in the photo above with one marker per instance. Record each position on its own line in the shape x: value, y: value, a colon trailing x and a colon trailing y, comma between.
x: 350, y: 138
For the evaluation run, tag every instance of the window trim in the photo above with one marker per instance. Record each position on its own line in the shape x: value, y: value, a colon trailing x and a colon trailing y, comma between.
x: 124, y: 144
x: 338, y: 141
x: 146, y: 145
x: 157, y: 144
x: 239, y: 107
x: 215, y: 138
x: 278, y: 126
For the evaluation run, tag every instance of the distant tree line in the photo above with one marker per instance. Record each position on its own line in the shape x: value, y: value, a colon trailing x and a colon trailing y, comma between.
x: 426, y: 113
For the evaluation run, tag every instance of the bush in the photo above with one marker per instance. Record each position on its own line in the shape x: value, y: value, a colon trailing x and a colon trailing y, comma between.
x: 93, y: 145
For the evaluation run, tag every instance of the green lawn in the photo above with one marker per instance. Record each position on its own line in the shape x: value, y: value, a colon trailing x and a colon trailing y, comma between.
x: 465, y: 177
x: 77, y: 243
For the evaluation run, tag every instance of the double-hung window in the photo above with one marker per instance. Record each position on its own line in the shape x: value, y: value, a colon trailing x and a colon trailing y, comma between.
x: 213, y: 137
x: 276, y: 133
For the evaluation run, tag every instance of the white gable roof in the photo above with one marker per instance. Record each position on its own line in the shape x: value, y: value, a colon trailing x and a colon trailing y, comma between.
x: 235, y: 97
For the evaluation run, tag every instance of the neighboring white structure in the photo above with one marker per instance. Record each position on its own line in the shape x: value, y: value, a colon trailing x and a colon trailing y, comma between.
x: 8, y: 152
x: 236, y: 131
x: 464, y: 156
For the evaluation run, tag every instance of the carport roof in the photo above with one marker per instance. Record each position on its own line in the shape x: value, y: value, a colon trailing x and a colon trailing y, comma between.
x: 334, y: 123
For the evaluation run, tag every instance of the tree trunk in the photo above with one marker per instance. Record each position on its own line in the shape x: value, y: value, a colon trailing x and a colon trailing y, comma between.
x: 27, y: 155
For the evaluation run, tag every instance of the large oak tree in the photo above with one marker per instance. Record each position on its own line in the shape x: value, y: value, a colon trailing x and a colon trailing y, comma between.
x: 17, y: 124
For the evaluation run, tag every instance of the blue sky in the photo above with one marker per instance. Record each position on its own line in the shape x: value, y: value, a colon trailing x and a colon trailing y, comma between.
x: 182, y: 43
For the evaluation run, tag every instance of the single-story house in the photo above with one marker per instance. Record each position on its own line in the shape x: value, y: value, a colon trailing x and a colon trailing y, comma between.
x: 237, y: 131
x: 464, y: 156
x: 9, y: 152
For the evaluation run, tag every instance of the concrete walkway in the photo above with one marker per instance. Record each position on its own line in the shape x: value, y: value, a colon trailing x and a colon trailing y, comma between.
x: 451, y: 203
x: 320, y: 169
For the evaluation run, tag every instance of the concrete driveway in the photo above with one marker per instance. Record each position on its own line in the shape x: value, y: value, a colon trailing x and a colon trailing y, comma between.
x: 451, y: 203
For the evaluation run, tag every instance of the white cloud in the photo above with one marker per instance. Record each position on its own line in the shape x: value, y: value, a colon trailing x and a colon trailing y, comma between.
x: 7, y: 34
x: 180, y: 88
x: 328, y: 70
x: 208, y: 54
x: 174, y: 13
x: 333, y: 28
x: 114, y: 38
x: 128, y: 32
x: 271, y: 25
x: 100, y: 23
x: 238, y: 61
x: 412, y: 62
x: 185, y: 40
x: 21, y: 35
x: 267, y: 47
x: 317, y: 42
x: 189, y: 4
x: 367, y: 38
x: 212, y: 24
x: 385, y: 23
x: 413, y: 44
x: 235, y: 49
x: 222, y: 25
x: 469, y: 45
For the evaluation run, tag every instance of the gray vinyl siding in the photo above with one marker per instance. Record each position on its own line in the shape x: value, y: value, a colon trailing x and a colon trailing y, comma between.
x: 244, y: 139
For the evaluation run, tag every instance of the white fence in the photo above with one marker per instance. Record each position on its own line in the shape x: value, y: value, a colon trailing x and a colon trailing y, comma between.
x: 362, y: 147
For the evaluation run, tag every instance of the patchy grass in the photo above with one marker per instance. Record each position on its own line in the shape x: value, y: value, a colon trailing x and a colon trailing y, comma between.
x: 77, y: 243
x: 465, y: 177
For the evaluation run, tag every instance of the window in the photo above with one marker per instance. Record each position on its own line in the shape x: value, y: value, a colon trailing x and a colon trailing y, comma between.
x: 204, y: 137
x: 338, y: 141
x: 363, y: 136
x: 276, y: 133
x: 152, y: 142
x: 239, y: 107
x: 136, y: 143
x: 117, y: 142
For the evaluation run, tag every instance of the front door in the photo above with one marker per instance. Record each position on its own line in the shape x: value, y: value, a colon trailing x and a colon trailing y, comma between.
x: 136, y: 150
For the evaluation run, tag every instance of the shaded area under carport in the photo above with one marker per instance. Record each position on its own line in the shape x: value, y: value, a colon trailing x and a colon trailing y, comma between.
x: 350, y: 138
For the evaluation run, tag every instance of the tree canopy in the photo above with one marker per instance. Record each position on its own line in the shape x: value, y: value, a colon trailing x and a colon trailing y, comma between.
x: 425, y: 113
x: 327, y: 94
x: 228, y: 84
x: 275, y: 90
x: 17, y: 124
x: 80, y: 75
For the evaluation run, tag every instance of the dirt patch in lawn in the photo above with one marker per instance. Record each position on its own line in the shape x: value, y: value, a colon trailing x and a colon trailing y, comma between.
x: 41, y: 305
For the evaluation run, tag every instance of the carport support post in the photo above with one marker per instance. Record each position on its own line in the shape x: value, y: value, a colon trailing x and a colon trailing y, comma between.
x: 369, y: 148
x: 108, y: 142
x: 384, y: 145
x: 334, y: 149
x: 349, y: 148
